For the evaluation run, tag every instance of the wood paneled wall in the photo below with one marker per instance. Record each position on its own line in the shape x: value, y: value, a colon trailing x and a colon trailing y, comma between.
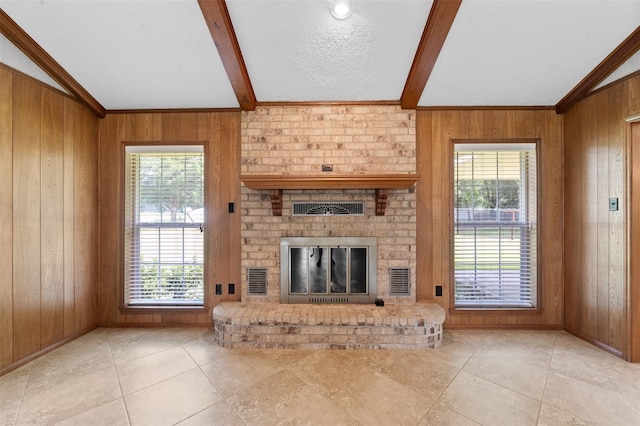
x: 48, y: 218
x: 435, y: 131
x: 595, y: 135
x: 220, y: 132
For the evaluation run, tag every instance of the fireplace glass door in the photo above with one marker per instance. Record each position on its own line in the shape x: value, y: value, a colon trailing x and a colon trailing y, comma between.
x: 328, y: 270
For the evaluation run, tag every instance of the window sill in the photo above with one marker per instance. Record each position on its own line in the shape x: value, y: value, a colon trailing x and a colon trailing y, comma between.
x: 159, y: 309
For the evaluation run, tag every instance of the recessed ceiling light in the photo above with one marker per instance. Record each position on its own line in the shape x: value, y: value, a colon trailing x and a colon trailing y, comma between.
x: 341, y: 9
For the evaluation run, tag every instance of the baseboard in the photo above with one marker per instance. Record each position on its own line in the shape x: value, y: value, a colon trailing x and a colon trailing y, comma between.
x: 597, y: 343
x: 501, y: 327
x: 154, y: 325
x: 43, y: 351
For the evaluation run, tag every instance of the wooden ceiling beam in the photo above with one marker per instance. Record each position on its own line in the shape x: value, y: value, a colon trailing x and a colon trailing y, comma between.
x: 14, y: 33
x: 218, y: 20
x: 441, y: 17
x: 624, y: 51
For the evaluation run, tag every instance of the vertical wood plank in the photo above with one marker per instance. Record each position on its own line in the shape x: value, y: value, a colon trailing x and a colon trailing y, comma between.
x: 634, y: 246
x: 551, y: 214
x: 52, y: 218
x: 26, y: 217
x: 437, y: 203
x: 146, y: 127
x: 180, y: 127
x: 69, y: 221
x: 112, y: 133
x: 424, y: 230
x: 234, y: 224
x: 633, y: 96
x: 602, y: 222
x: 6, y: 218
x: 617, y: 264
x: 85, y: 214
x: 209, y: 131
x: 589, y: 285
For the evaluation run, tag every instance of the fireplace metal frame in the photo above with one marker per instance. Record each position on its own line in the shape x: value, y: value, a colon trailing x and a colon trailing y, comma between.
x: 372, y: 268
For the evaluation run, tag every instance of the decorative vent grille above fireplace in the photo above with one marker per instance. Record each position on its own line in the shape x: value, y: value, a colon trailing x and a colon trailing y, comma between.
x: 327, y: 209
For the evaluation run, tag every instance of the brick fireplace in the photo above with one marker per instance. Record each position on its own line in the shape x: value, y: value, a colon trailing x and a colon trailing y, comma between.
x: 284, y: 152
x: 353, y: 140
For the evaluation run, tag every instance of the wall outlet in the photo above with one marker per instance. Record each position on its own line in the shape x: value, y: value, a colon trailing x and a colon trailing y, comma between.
x: 218, y: 288
x: 438, y: 290
x: 232, y: 288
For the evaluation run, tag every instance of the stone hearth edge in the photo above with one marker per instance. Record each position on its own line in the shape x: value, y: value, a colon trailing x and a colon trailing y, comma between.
x: 339, y: 326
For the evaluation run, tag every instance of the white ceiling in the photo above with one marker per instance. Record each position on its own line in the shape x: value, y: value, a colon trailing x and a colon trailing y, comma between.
x: 519, y: 52
x: 159, y: 54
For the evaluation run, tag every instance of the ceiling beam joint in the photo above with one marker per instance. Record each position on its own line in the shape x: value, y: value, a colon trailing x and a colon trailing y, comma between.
x: 624, y: 51
x: 14, y: 33
x: 441, y: 17
x: 218, y: 21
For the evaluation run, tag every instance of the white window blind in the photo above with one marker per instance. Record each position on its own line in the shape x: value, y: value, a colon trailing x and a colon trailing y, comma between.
x: 495, y: 225
x: 164, y: 219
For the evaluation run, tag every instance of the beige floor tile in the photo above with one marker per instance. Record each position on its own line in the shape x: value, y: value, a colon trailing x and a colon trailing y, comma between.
x: 283, y: 398
x: 69, y: 362
x: 421, y: 371
x: 458, y: 346
x: 440, y: 415
x: 368, y: 396
x: 553, y: 416
x: 152, y: 369
x: 593, y: 404
x: 511, y: 373
x: 112, y: 413
x: 220, y: 413
x: 69, y: 398
x: 172, y: 400
x: 12, y: 388
x: 133, y: 344
x: 203, y: 349
x: 239, y: 369
x: 488, y: 403
x: 476, y: 377
x: 538, y: 337
x: 598, y: 368
x: 505, y: 346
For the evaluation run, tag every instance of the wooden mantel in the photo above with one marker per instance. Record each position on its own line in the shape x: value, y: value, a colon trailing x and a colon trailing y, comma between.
x: 381, y: 183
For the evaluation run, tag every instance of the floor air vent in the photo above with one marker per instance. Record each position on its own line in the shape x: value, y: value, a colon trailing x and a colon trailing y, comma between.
x: 399, y: 282
x: 327, y: 209
x: 257, y: 281
x: 328, y: 300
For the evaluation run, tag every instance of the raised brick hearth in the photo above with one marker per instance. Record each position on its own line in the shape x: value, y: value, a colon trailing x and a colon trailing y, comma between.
x: 354, y: 326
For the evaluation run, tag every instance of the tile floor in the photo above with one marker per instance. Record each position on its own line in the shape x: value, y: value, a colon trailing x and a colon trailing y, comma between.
x: 178, y: 376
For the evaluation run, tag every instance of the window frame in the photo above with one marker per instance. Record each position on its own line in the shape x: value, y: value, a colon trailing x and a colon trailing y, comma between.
x: 538, y: 283
x: 124, y: 307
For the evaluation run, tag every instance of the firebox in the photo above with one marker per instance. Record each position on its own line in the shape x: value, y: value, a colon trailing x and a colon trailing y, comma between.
x: 328, y: 270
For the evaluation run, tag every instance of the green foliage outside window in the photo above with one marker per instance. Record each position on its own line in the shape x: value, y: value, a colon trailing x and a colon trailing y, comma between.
x: 171, y: 282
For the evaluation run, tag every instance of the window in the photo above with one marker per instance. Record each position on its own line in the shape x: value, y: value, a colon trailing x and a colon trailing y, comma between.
x: 495, y: 225
x: 163, y: 233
